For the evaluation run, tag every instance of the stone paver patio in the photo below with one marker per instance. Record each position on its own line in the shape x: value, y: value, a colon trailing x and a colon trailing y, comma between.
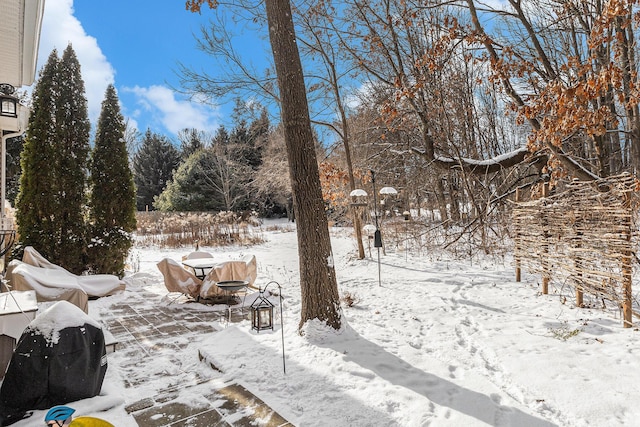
x: 149, y: 337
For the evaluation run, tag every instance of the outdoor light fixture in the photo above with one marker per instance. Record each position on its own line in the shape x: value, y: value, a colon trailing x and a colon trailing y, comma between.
x: 8, y: 106
x: 8, y: 102
x: 262, y: 315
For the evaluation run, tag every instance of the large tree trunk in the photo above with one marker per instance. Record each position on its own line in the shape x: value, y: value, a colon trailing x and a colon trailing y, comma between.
x: 317, y: 274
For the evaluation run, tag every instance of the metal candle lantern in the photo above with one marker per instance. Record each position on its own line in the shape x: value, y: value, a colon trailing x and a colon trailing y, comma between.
x: 262, y: 315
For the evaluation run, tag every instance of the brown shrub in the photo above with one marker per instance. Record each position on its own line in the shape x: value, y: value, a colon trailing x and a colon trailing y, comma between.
x: 180, y: 229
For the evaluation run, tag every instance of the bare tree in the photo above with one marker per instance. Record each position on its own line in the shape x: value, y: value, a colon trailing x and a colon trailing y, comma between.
x: 271, y: 182
x: 225, y: 177
x: 317, y: 40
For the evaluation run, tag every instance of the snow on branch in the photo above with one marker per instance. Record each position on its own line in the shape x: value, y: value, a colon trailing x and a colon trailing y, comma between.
x: 475, y: 166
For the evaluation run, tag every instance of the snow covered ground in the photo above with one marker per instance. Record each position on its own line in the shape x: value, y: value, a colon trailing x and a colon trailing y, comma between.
x: 439, y: 342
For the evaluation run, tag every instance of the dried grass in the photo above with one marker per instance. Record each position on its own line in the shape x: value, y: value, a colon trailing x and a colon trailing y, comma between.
x: 181, y: 229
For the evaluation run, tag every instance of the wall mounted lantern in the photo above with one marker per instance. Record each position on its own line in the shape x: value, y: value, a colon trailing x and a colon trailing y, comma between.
x: 8, y: 102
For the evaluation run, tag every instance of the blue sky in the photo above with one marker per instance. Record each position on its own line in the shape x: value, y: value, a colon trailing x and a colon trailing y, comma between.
x: 136, y: 45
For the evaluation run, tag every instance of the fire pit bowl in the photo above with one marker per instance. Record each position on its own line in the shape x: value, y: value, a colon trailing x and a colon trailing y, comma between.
x: 232, y: 285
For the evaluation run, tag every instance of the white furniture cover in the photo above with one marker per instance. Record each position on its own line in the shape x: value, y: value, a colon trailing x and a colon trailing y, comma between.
x: 53, y: 283
x: 178, y: 279
x: 49, y: 284
x: 245, y: 269
x: 197, y: 255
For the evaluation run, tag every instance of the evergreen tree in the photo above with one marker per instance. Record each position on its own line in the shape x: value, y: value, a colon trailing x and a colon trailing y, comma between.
x: 112, y: 203
x: 191, y: 140
x: 14, y: 148
x: 240, y: 143
x: 35, y: 202
x: 191, y: 189
x: 71, y: 153
x: 153, y: 167
x: 258, y: 136
x: 51, y: 199
x: 207, y: 181
x: 221, y: 137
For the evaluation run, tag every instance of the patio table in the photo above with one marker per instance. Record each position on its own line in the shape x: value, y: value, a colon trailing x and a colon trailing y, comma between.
x: 200, y: 266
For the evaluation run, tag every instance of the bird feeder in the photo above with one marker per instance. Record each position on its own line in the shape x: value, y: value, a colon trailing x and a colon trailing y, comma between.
x: 358, y: 197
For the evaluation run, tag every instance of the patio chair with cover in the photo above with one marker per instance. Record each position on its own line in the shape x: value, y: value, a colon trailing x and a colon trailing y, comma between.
x: 49, y: 284
x: 95, y: 285
x: 244, y: 269
x: 177, y: 279
x: 36, y: 268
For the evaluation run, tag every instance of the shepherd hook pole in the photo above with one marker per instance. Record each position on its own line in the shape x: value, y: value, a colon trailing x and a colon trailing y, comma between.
x: 377, y: 241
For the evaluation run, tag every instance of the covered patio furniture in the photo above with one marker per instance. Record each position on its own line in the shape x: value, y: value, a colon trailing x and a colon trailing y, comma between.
x: 35, y: 258
x: 241, y: 270
x: 49, y: 284
x: 95, y: 285
x: 178, y: 279
x: 60, y: 358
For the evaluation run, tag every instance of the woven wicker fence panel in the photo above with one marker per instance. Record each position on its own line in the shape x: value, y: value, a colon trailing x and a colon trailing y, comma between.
x: 583, y: 236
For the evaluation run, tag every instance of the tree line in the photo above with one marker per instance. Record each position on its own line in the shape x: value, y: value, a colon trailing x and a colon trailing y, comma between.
x: 457, y: 103
x: 231, y: 170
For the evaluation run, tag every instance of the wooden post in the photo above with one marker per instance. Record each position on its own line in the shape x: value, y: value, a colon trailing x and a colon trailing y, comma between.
x: 517, y: 244
x: 627, y: 269
x: 546, y: 275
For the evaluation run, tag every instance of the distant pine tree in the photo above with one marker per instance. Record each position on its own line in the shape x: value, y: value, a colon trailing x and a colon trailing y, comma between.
x: 257, y: 141
x: 191, y: 140
x: 221, y: 137
x: 71, y: 155
x: 112, y: 200
x: 153, y: 167
x: 36, y: 208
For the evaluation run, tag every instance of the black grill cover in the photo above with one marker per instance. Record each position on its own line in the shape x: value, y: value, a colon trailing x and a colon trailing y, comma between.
x: 43, y: 374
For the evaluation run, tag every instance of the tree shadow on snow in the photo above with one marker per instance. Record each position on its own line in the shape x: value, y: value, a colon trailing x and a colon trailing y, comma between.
x: 438, y: 390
